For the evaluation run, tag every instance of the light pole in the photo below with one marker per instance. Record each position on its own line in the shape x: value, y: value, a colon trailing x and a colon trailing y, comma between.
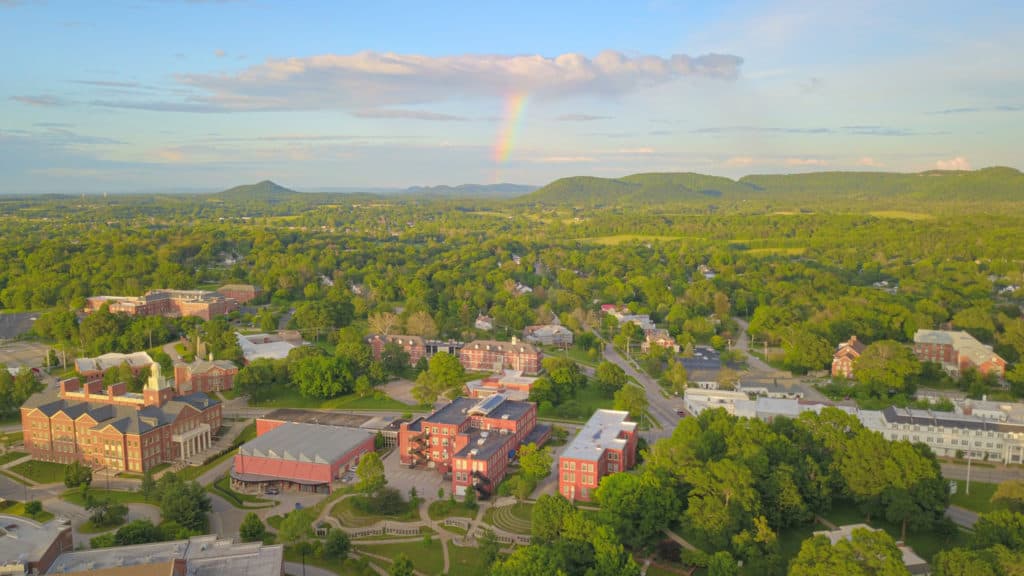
x: 967, y: 489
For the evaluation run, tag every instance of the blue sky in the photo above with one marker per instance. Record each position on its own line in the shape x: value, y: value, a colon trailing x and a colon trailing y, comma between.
x: 163, y: 94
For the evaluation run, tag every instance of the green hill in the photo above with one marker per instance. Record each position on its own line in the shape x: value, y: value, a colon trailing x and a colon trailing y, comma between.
x: 988, y: 184
x: 265, y: 192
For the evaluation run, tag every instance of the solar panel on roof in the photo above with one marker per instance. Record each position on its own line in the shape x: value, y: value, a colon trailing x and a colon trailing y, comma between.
x: 488, y: 404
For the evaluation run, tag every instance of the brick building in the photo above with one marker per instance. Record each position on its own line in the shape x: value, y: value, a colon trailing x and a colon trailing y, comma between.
x: 171, y: 303
x: 472, y: 439
x: 658, y: 337
x: 495, y: 356
x: 240, y: 293
x: 414, y: 346
x: 118, y: 429
x: 513, y: 385
x: 605, y: 445
x: 28, y: 547
x: 845, y: 355
x: 94, y: 368
x: 204, y: 376
x: 548, y: 335
x: 956, y: 352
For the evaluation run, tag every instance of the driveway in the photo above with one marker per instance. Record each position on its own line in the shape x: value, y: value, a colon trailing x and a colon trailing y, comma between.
x: 402, y: 478
x: 401, y: 390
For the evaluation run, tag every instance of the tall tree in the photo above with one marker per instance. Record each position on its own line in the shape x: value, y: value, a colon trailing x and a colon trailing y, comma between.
x: 632, y: 399
x: 886, y: 365
x: 867, y: 552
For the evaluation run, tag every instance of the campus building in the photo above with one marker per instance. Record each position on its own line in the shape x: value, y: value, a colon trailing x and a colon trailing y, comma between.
x: 605, y: 445
x: 472, y: 439
x: 416, y: 347
x: 28, y: 547
x: 268, y: 346
x: 495, y: 356
x: 513, y: 385
x: 204, y: 376
x: 548, y: 335
x: 113, y: 428
x: 94, y: 368
x: 240, y: 293
x: 844, y: 357
x: 956, y: 352
x: 298, y: 456
x: 171, y: 303
x: 198, y: 556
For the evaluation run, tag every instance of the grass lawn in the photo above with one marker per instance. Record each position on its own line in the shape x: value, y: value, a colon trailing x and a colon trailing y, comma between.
x: 222, y: 488
x: 74, y: 496
x: 349, y: 515
x: 426, y: 559
x: 980, y: 498
x: 89, y: 528
x: 41, y: 472
x: 441, y: 509
x: 579, y: 408
x: 292, y: 555
x: 192, y: 472
x: 15, y: 508
x: 926, y: 544
x: 516, y: 518
x: 573, y: 353
x: 466, y: 561
x: 291, y: 398
x: 11, y: 438
x: 11, y: 457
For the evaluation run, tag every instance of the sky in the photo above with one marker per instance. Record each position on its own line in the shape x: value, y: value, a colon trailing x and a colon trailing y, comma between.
x: 139, y: 95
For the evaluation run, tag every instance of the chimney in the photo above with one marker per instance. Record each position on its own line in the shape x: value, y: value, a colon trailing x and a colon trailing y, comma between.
x: 515, y: 340
x: 69, y: 385
x: 853, y: 339
x: 211, y: 356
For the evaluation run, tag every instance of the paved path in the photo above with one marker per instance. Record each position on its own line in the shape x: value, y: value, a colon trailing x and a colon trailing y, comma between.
x: 297, y: 569
x: 982, y: 473
x: 679, y: 540
x: 962, y: 516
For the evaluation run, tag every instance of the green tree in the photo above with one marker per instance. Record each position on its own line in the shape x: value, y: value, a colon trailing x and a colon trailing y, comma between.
x: 867, y: 552
x: 395, y: 358
x: 632, y: 399
x: 76, y: 474
x: 489, y: 547
x: 186, y: 504
x: 337, y: 545
x: 33, y: 507
x: 296, y: 525
x: 445, y: 373
x: 1003, y: 527
x: 470, y: 499
x: 371, y: 473
x: 722, y: 563
x: 609, y: 377
x: 961, y: 562
x: 1010, y: 494
x: 636, y: 507
x: 535, y: 463
x: 548, y: 515
x: 137, y: 532
x: 148, y: 486
x: 106, y: 512
x: 402, y: 566
x: 675, y: 377
x: 886, y: 365
x: 805, y: 351
x: 252, y: 528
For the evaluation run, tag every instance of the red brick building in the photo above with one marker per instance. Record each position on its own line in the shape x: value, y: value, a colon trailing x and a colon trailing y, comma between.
x: 240, y: 293
x: 844, y: 357
x: 203, y: 376
x: 472, y: 439
x: 513, y: 385
x: 495, y: 356
x: 171, y: 303
x: 28, y: 547
x: 606, y: 445
x: 658, y: 337
x: 118, y: 429
x: 414, y: 346
x: 956, y: 352
x: 298, y: 456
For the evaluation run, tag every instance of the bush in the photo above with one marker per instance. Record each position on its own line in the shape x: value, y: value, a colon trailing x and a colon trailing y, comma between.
x: 384, y: 502
x: 103, y: 541
x: 33, y: 507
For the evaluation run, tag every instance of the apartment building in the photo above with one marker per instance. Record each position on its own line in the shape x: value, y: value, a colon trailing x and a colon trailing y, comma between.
x: 605, y: 445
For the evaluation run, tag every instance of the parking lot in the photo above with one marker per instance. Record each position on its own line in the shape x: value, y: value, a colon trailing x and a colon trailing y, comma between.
x: 17, y: 354
x: 402, y: 478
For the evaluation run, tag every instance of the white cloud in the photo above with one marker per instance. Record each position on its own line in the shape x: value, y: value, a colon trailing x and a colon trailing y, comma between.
x: 958, y: 163
x: 869, y: 162
x: 565, y: 160
x: 42, y: 100
x: 394, y: 113
x: 641, y: 150
x: 805, y: 162
x: 739, y: 161
x: 372, y: 79
x: 580, y: 118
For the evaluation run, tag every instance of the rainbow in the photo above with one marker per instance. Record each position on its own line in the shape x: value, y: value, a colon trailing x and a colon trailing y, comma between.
x: 515, y: 105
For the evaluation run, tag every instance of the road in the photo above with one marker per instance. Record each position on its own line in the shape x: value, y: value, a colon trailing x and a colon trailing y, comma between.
x: 962, y: 516
x: 297, y: 569
x: 743, y: 344
x: 981, y: 473
x: 663, y: 410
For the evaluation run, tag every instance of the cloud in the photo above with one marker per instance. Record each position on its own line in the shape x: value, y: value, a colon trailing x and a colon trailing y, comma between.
x: 739, y: 161
x: 637, y: 151
x: 869, y: 162
x: 371, y: 79
x: 42, y: 100
x: 958, y: 163
x: 158, y: 106
x: 580, y: 118
x: 760, y: 130
x: 565, y: 160
x: 973, y: 109
x: 866, y: 130
x: 394, y: 113
x: 811, y: 85
x: 805, y: 162
x: 219, y: 53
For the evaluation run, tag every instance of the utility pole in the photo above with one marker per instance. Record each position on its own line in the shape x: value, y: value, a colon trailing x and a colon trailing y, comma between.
x: 967, y: 490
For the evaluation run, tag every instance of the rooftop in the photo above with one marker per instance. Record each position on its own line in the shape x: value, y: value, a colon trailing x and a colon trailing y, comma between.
x: 253, y: 349
x: 963, y: 342
x: 318, y: 443
x: 331, y: 418
x: 482, y: 444
x: 126, y: 419
x: 599, y: 434
x: 499, y: 346
x: 113, y: 360
x: 25, y: 540
x: 205, y: 556
x: 910, y: 559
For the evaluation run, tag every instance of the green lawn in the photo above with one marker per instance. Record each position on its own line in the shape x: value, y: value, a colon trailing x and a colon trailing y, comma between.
x: 74, y: 496
x: 291, y: 398
x: 11, y: 457
x: 11, y: 438
x: 15, y: 508
x: 426, y: 559
x: 466, y: 561
x: 193, y: 472
x: 516, y: 518
x: 222, y: 488
x: 349, y: 515
x: 578, y: 409
x: 40, y: 472
x: 441, y: 509
x: 980, y: 498
x: 926, y: 544
x: 573, y: 353
x: 89, y: 528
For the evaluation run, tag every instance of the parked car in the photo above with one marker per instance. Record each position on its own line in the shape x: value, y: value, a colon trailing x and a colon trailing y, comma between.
x: 681, y: 412
x: 272, y: 491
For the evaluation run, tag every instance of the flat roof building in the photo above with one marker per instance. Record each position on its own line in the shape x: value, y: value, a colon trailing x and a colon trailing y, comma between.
x: 304, y: 457
x: 28, y: 547
x: 605, y: 445
x: 914, y: 563
x: 94, y: 368
x: 268, y: 346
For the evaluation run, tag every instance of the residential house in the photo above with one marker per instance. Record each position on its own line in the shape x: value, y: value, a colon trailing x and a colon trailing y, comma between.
x: 204, y: 376
x: 658, y: 337
x: 484, y: 323
x: 845, y: 356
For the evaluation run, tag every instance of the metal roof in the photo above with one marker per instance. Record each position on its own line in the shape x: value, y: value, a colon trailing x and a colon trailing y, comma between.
x: 298, y: 442
x: 599, y: 434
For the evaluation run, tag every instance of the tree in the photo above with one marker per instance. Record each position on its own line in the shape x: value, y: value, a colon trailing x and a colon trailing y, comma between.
x: 886, y: 365
x: 444, y: 373
x: 961, y: 562
x: 322, y: 376
x: 337, y: 545
x: 296, y: 525
x: 252, y: 528
x: 106, y: 512
x: 184, y: 503
x: 548, y: 515
x: 722, y: 563
x: 867, y: 552
x: 805, y: 351
x: 371, y: 473
x: 76, y: 474
x: 1010, y: 494
x: 535, y: 462
x: 999, y: 527
x: 394, y: 357
x: 488, y: 546
x: 636, y: 507
x: 609, y: 377
x: 33, y: 507
x: 402, y: 566
x: 137, y: 532
x: 384, y: 323
x: 148, y: 485
x: 675, y: 376
x: 421, y: 324
x: 632, y: 399
x: 470, y: 499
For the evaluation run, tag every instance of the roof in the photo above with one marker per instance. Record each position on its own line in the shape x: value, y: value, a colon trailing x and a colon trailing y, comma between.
x: 272, y: 350
x: 113, y: 360
x: 297, y: 442
x: 317, y: 417
x: 204, y: 366
x: 401, y: 339
x: 497, y: 406
x: 238, y: 288
x: 452, y: 413
x: 542, y: 329
x: 160, y: 568
x: 853, y: 345
x: 600, y: 433
x: 26, y: 540
x: 895, y: 415
x: 204, y: 555
x: 961, y: 341
x: 499, y: 346
x: 483, y: 444
x: 126, y: 419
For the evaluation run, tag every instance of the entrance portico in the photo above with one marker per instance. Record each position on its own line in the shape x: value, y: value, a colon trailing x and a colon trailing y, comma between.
x: 194, y: 441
